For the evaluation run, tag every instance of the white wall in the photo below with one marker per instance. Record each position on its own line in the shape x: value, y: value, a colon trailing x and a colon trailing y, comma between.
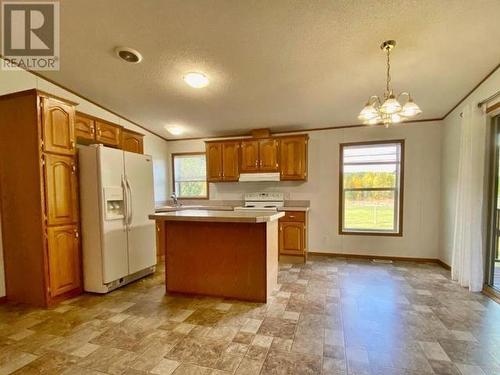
x: 12, y: 81
x: 421, y: 194
x: 449, y: 162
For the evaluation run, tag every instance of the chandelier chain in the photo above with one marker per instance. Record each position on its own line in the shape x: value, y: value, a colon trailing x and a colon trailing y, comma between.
x: 388, y: 76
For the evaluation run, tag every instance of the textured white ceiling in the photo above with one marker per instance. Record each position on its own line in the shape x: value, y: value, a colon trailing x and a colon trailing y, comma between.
x: 278, y: 64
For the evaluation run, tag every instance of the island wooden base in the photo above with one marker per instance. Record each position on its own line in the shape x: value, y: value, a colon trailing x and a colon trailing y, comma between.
x: 233, y: 260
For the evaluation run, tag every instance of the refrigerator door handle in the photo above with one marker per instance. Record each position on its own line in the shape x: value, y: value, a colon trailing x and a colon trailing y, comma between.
x: 125, y: 201
x: 129, y: 202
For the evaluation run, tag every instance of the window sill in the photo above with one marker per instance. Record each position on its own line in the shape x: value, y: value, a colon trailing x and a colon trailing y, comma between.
x: 367, y: 233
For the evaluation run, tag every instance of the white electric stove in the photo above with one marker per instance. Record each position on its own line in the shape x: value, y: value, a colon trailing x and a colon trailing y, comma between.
x: 263, y: 201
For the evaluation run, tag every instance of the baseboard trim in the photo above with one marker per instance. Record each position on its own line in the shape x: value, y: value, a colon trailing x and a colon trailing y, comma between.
x: 491, y: 293
x: 384, y: 257
x: 3, y: 299
x: 443, y: 264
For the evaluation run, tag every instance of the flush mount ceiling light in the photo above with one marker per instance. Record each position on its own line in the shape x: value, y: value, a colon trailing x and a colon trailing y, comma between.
x: 174, y: 129
x: 128, y: 54
x: 389, y: 111
x: 196, y: 80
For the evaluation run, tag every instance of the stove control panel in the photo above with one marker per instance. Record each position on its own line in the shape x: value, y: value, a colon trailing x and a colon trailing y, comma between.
x: 264, y: 197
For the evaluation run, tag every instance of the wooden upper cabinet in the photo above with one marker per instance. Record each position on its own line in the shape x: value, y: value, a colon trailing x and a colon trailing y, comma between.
x: 268, y: 155
x: 108, y: 134
x: 214, y: 161
x: 132, y: 141
x: 293, y: 158
x: 64, y: 259
x: 61, y: 189
x: 249, y: 156
x: 230, y: 161
x: 291, y: 238
x: 287, y: 155
x: 58, y: 132
x: 84, y: 129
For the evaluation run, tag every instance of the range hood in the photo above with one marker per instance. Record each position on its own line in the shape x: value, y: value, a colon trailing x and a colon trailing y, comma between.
x: 252, y: 177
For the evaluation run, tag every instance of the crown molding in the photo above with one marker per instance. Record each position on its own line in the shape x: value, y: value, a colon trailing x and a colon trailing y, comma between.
x: 244, y: 134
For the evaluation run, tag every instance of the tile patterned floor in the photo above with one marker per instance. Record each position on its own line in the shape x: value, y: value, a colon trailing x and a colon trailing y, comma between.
x: 330, y: 316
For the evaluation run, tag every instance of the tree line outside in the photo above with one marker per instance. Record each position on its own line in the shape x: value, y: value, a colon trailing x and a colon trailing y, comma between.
x: 369, y: 209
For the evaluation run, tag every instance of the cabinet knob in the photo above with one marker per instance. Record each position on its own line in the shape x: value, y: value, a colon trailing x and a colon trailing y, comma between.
x: 77, y: 234
x: 72, y: 143
x: 92, y: 130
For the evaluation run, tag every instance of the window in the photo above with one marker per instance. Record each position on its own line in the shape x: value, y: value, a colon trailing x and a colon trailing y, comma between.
x: 371, y: 188
x: 190, y: 175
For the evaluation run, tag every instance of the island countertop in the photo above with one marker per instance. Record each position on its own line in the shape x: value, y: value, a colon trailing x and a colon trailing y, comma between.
x: 218, y: 216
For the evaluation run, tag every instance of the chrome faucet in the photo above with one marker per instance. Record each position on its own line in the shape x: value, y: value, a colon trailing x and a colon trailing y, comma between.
x: 176, y: 201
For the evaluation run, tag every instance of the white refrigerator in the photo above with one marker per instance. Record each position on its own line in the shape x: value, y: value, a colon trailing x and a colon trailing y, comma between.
x: 116, y: 197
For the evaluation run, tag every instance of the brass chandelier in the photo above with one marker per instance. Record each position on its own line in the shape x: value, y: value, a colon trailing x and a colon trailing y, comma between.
x: 389, y: 111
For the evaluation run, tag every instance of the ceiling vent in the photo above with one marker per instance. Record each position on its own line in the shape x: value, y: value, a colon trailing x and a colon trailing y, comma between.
x: 129, y: 55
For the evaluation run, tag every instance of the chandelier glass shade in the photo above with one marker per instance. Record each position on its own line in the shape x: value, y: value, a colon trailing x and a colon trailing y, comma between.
x: 388, y: 110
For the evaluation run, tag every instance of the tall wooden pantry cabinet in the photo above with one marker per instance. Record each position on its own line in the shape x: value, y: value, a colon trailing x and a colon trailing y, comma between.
x: 39, y: 198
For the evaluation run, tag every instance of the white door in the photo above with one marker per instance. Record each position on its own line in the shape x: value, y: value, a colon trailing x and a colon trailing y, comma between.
x: 141, y: 230
x: 114, y: 232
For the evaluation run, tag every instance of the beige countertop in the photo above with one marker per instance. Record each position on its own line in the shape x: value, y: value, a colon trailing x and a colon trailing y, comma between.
x: 194, y: 207
x: 294, y: 208
x: 219, y: 216
x: 221, y: 208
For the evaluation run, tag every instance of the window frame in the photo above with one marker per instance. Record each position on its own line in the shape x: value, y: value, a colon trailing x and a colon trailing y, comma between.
x: 399, y: 199
x: 173, y: 155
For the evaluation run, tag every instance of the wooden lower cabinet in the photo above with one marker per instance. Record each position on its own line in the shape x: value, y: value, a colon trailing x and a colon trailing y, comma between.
x: 61, y: 189
x: 64, y: 259
x: 39, y: 198
x: 292, y: 238
x: 293, y: 235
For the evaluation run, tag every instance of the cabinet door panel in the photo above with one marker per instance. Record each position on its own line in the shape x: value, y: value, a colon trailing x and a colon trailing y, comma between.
x: 84, y: 129
x: 64, y: 259
x: 249, y: 156
x: 132, y: 142
x: 61, y: 194
x: 108, y: 134
x: 58, y: 127
x: 214, y: 161
x: 230, y: 161
x: 293, y: 158
x: 268, y: 155
x: 291, y: 238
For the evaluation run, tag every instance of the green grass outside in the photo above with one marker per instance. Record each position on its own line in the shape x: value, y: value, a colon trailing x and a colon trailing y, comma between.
x: 369, y: 217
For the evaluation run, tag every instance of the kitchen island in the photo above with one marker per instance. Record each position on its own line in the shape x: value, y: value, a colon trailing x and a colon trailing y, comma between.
x: 221, y: 253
